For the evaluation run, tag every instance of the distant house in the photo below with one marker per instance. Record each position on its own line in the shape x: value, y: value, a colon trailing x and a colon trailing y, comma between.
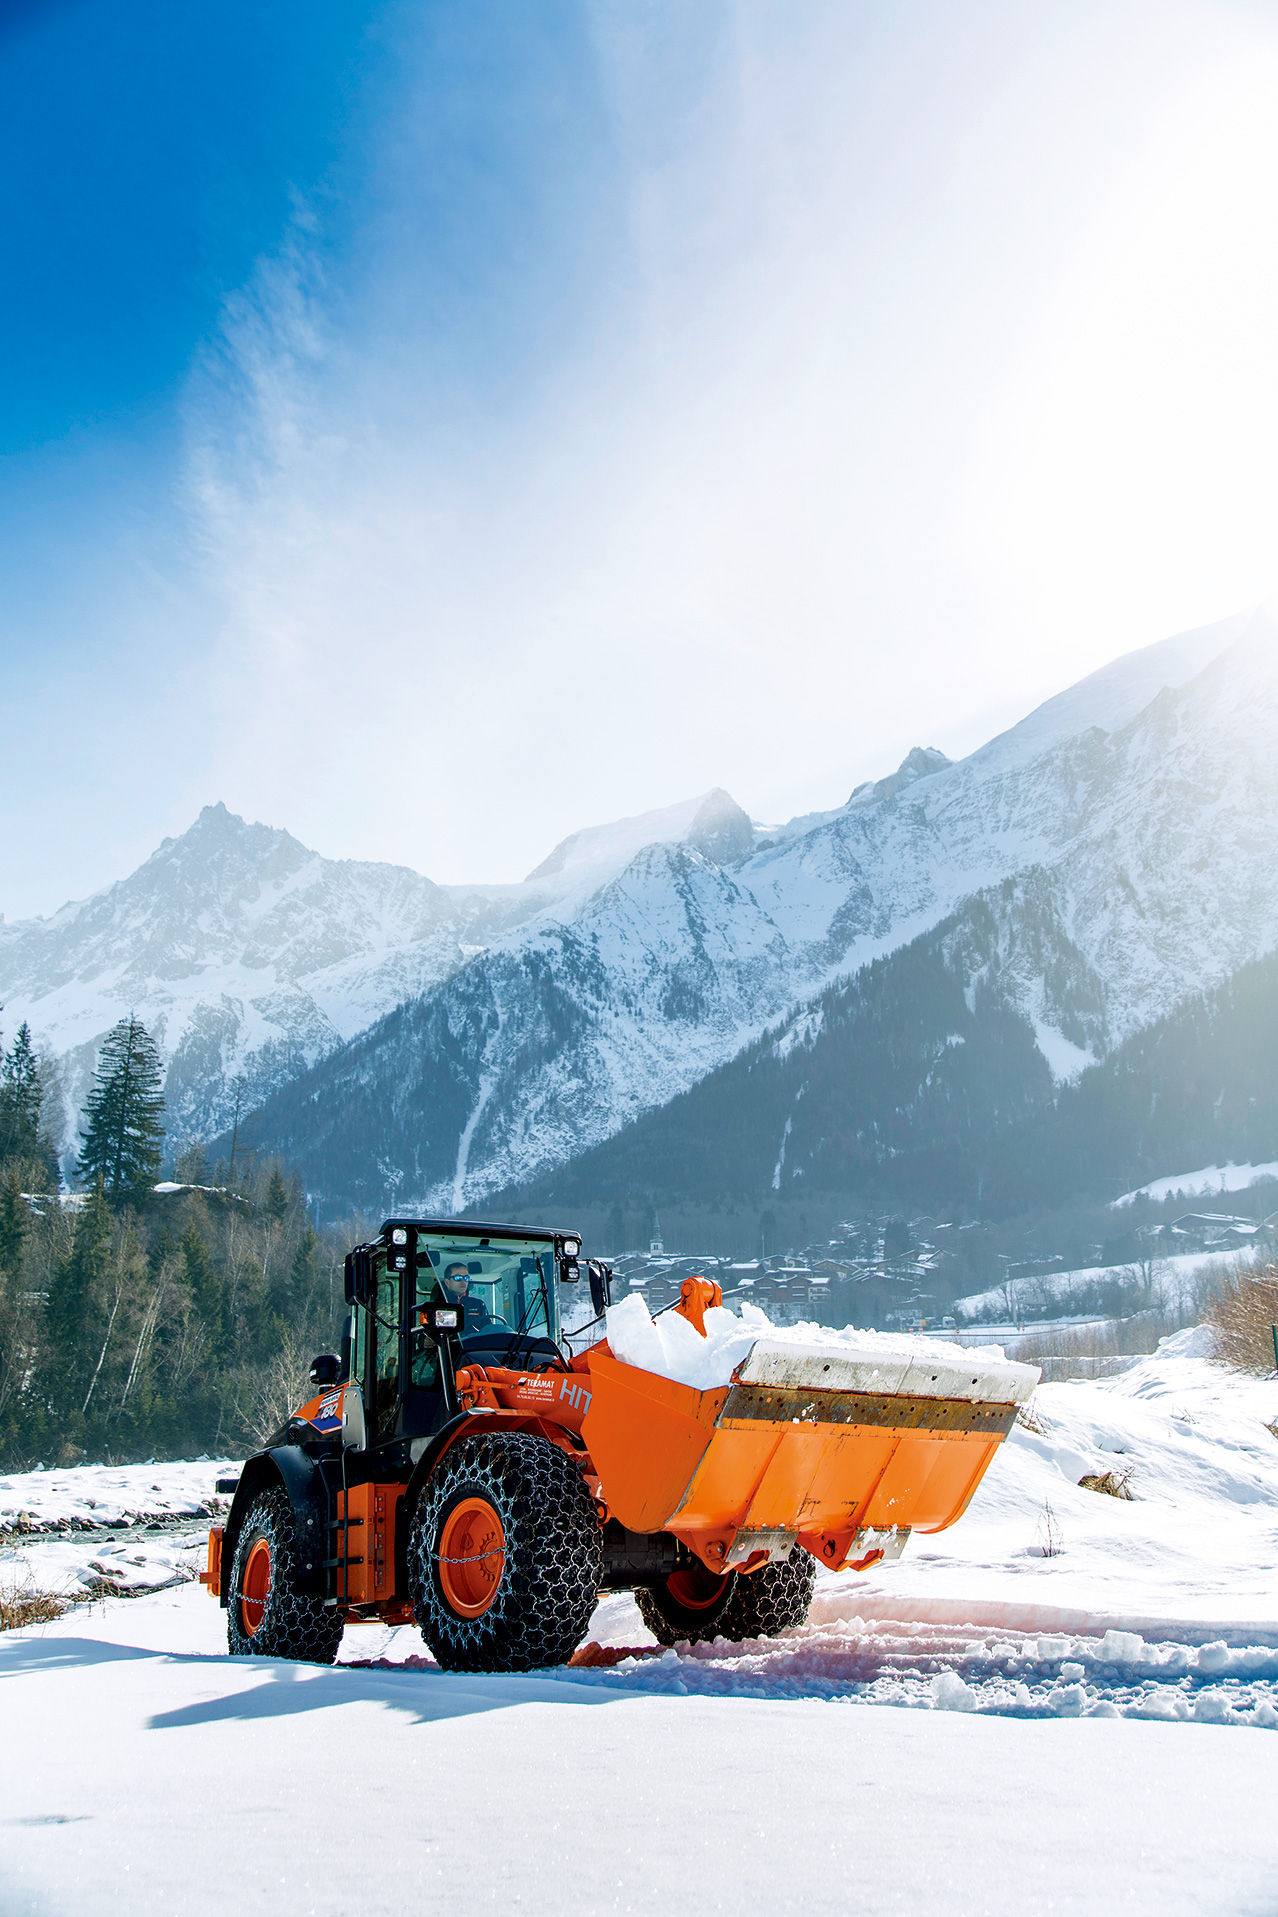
x: 1210, y: 1221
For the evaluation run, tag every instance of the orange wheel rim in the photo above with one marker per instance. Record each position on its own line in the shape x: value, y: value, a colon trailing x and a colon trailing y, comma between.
x: 472, y: 1557
x: 696, y: 1590
x: 255, y: 1587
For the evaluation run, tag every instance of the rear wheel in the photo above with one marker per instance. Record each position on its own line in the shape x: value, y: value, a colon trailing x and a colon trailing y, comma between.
x: 266, y: 1614
x: 695, y: 1606
x: 505, y: 1556
x: 772, y: 1599
x: 688, y: 1606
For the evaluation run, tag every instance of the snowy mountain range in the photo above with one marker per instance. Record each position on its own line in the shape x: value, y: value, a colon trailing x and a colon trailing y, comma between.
x: 249, y: 957
x: 434, y: 1044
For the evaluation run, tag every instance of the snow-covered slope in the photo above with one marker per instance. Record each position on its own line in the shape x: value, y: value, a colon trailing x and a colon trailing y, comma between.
x: 250, y: 957
x: 1141, y: 850
x: 498, y: 1031
x: 243, y: 952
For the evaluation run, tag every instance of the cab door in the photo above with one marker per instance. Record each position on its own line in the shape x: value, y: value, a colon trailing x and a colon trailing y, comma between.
x: 401, y: 1368
x: 382, y: 1358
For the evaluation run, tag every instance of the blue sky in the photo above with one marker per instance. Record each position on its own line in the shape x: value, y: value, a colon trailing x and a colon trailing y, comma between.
x: 635, y: 398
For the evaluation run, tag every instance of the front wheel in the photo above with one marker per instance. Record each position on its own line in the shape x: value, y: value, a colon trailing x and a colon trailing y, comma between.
x: 266, y: 1614
x: 505, y: 1555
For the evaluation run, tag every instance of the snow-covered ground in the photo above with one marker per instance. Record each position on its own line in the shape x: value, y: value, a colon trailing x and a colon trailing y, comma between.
x: 1210, y: 1181
x: 1176, y: 1281
x: 977, y: 1727
x: 132, y: 1526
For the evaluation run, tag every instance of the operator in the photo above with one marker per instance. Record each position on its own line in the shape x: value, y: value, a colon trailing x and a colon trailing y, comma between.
x: 456, y: 1284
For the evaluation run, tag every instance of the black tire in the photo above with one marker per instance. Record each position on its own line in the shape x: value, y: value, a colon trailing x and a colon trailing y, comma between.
x: 281, y: 1621
x: 772, y: 1599
x: 695, y: 1607
x: 689, y: 1607
x: 546, y: 1573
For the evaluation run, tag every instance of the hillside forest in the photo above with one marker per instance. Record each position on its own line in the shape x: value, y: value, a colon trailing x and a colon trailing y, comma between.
x: 137, y: 1322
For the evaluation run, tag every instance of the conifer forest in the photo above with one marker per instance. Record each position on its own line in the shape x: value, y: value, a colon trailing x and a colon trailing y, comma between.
x: 136, y: 1321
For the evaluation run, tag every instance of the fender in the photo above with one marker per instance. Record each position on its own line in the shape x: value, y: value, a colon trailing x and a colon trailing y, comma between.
x: 287, y: 1465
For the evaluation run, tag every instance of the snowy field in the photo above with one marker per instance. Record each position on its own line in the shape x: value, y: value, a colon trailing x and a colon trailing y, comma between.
x: 1066, y: 1703
x: 1209, y: 1181
x: 1176, y: 1279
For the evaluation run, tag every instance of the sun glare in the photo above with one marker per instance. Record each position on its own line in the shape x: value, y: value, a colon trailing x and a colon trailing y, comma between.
x: 1131, y: 469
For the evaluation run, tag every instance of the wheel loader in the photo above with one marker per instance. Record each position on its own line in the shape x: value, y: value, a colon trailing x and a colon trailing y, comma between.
x: 461, y: 1467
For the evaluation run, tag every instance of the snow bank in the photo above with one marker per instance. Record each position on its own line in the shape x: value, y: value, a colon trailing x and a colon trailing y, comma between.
x: 108, y: 1495
x: 140, y: 1767
x: 854, y: 1360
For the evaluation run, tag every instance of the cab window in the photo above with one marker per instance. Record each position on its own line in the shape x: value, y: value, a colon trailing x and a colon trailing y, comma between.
x: 384, y: 1325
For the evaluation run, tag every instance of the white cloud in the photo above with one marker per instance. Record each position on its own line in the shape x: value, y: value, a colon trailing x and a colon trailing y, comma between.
x: 937, y: 371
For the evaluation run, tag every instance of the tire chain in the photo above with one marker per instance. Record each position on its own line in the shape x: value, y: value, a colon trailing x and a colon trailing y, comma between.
x: 771, y: 1600
x: 293, y: 1624
x: 553, y: 1555
x: 763, y: 1604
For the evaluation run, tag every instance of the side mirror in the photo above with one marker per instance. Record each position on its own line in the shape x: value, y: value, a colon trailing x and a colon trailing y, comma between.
x: 354, y: 1431
x: 600, y: 1285
x: 326, y: 1369
x: 359, y: 1275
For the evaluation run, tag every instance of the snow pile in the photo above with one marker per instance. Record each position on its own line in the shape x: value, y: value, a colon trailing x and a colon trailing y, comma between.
x: 673, y: 1348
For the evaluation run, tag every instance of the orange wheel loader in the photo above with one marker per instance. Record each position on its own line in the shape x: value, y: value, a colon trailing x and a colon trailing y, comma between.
x: 460, y: 1467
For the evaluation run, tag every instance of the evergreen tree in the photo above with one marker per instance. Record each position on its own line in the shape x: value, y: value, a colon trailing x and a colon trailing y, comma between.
x: 192, y: 1165
x: 124, y: 1112
x: 277, y: 1196
x: 202, y: 1283
x: 15, y: 1221
x: 20, y: 1097
x: 74, y: 1311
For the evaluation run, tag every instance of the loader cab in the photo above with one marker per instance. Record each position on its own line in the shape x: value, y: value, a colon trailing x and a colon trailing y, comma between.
x: 505, y: 1281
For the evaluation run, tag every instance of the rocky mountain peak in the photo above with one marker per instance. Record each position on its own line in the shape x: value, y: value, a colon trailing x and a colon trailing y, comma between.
x: 223, y: 840
x: 591, y: 857
x: 919, y: 763
x: 721, y: 830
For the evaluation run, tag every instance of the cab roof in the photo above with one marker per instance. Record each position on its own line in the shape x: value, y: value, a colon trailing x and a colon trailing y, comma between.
x: 473, y: 1228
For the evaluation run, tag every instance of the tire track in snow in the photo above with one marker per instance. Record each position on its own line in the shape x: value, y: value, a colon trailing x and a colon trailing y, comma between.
x: 996, y: 1672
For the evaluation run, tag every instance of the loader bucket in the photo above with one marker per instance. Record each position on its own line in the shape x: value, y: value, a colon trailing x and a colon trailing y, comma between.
x: 843, y: 1452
